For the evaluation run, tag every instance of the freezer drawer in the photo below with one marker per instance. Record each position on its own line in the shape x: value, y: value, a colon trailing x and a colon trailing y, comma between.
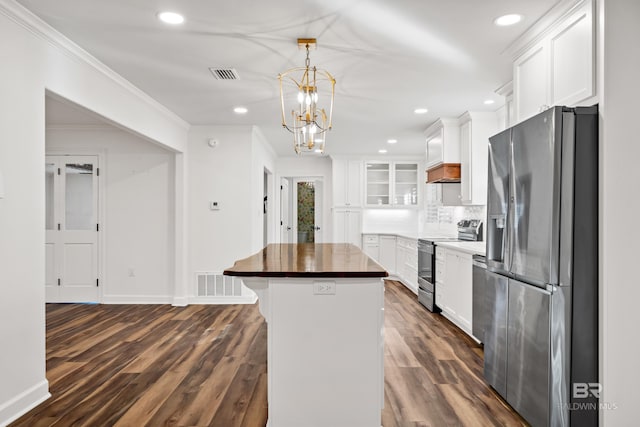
x: 528, y: 335
x: 495, y: 332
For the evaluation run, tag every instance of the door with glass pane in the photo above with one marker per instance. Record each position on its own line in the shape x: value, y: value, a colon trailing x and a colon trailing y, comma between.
x: 378, y: 184
x: 307, y: 210
x: 71, y: 229
x: 405, y: 184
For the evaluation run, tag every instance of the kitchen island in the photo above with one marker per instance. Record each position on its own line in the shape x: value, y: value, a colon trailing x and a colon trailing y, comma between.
x: 324, y: 307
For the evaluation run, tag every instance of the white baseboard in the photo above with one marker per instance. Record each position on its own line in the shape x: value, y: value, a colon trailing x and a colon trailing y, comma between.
x: 247, y: 299
x: 137, y: 299
x: 180, y: 302
x: 24, y: 402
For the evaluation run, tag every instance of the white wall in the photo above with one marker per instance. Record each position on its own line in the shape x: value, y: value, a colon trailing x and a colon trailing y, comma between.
x: 311, y: 166
x: 232, y: 175
x: 32, y: 61
x: 262, y: 157
x: 620, y: 204
x: 137, y: 228
x: 390, y: 220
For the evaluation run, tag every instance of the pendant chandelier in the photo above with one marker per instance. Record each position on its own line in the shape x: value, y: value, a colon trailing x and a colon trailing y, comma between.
x: 306, y: 97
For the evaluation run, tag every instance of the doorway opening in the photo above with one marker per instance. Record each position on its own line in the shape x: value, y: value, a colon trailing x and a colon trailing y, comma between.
x: 267, y: 196
x: 301, y: 218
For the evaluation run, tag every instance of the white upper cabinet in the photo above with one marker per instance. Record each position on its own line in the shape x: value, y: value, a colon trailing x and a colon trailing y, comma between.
x: 378, y: 189
x: 405, y: 183
x: 558, y: 69
x: 347, y: 182
x: 531, y: 82
x: 572, y: 59
x: 443, y: 145
x: 392, y: 183
x: 475, y: 130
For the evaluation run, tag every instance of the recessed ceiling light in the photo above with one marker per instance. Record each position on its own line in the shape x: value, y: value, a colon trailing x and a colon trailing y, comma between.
x: 171, y: 18
x: 506, y: 20
x: 392, y: 141
x: 240, y: 110
x: 489, y: 102
x: 420, y: 111
x: 383, y: 151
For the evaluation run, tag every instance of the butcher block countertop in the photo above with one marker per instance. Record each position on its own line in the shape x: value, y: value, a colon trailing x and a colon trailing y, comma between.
x: 308, y: 260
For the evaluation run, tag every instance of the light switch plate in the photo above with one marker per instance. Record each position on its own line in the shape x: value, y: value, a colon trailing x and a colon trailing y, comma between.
x: 324, y: 288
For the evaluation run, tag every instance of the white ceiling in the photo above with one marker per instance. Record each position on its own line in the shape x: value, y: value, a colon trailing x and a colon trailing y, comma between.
x: 388, y: 58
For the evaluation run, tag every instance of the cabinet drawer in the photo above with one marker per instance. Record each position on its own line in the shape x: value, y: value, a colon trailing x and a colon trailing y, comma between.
x: 440, y: 253
x: 371, y: 239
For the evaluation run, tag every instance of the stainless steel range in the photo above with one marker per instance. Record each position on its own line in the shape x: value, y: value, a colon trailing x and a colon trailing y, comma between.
x: 468, y: 230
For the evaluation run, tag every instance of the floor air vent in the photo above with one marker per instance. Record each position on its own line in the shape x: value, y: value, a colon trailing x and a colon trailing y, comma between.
x: 215, y: 288
x: 218, y: 285
x: 224, y: 73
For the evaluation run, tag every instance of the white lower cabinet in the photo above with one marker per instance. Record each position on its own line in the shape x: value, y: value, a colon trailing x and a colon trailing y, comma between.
x: 398, y: 255
x: 454, y: 292
x: 347, y: 226
x: 407, y: 262
x: 388, y: 253
x: 371, y: 246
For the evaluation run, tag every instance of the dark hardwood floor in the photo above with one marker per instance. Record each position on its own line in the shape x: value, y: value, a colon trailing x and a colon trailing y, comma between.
x: 156, y: 365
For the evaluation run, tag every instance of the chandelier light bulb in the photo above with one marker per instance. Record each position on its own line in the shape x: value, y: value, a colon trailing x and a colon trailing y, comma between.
x: 308, y: 119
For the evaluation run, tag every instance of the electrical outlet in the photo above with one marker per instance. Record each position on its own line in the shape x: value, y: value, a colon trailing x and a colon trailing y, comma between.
x: 324, y: 288
x: 214, y: 206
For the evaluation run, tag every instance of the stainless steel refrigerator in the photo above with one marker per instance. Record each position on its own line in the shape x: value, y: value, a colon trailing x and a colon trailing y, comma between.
x: 541, y: 341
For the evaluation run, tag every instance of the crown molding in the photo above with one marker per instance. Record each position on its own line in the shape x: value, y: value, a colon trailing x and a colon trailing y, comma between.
x: 36, y: 26
x: 77, y: 127
x: 506, y: 89
x: 543, y: 26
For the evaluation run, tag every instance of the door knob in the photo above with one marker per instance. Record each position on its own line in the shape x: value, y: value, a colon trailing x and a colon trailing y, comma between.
x: 317, y: 227
x: 288, y: 227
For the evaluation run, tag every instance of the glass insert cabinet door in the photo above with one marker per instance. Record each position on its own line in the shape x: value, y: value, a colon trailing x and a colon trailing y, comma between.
x: 391, y: 183
x: 72, y: 228
x: 405, y: 188
x: 378, y: 184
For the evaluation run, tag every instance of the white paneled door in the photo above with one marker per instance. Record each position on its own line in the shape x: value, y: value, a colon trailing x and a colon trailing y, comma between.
x: 286, y: 228
x: 72, y: 229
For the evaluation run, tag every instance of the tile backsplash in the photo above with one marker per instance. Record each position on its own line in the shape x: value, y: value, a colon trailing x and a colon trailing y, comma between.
x: 443, y: 219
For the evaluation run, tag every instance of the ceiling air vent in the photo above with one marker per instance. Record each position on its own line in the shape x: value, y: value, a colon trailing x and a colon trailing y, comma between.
x: 224, y: 73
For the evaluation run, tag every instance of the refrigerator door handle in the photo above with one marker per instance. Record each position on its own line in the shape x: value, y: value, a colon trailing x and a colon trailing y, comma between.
x: 511, y: 231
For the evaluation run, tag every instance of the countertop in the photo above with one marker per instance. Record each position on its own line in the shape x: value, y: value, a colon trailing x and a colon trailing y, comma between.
x: 468, y: 247
x: 410, y: 234
x: 308, y: 260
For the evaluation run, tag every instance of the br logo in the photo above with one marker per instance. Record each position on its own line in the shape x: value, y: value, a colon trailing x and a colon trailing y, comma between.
x: 585, y: 390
